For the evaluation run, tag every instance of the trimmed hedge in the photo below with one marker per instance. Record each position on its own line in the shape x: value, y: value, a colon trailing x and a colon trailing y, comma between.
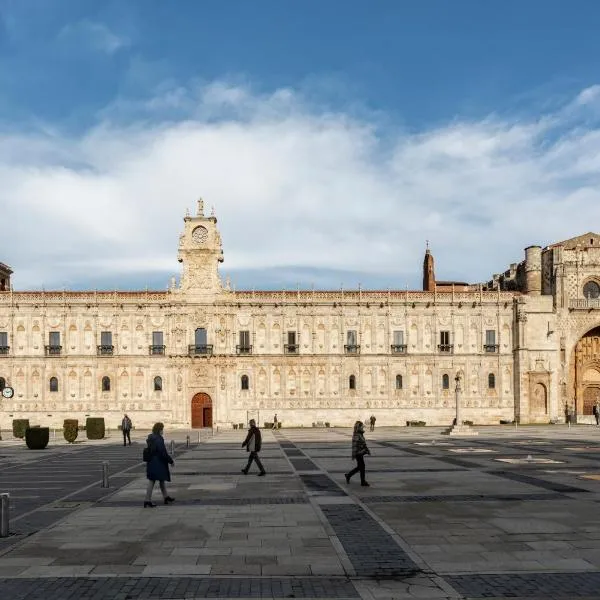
x: 19, y: 427
x: 37, y: 438
x: 415, y: 423
x: 70, y: 429
x: 94, y: 428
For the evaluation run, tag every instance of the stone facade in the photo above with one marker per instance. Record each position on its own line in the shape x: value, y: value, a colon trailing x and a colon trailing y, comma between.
x: 202, y: 354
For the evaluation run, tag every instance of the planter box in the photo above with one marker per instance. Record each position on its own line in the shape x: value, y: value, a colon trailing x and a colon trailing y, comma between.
x: 37, y: 438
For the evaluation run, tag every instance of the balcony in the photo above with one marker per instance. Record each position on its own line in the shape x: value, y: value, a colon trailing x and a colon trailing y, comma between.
x: 104, y: 350
x: 243, y: 350
x: 491, y: 348
x: 584, y: 303
x: 157, y: 350
x: 53, y: 350
x: 445, y: 348
x: 291, y: 348
x: 200, y: 350
x: 4, y: 350
x: 398, y: 348
x: 352, y: 349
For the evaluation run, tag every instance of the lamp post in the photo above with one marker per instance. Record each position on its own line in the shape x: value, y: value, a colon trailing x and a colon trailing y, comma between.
x: 457, y: 391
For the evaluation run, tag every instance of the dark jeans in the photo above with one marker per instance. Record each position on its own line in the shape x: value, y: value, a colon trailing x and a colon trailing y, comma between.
x: 360, y: 468
x: 254, y: 457
x: 597, y: 418
x: 126, y: 437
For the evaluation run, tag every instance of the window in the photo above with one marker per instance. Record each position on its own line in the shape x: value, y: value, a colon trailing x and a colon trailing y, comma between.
x: 398, y: 338
x: 245, y: 382
x: 445, y: 345
x: 158, y: 343
x: 200, y: 337
x: 244, y: 346
x: 2, y: 383
x: 54, y: 338
x: 158, y: 384
x: 106, y: 345
x: 490, y: 340
x: 352, y: 382
x: 53, y: 384
x: 591, y: 290
x: 351, y: 346
x: 106, y: 384
x: 491, y: 381
x: 398, y: 382
x: 445, y: 381
x: 200, y: 346
x: 292, y: 345
x: 3, y: 342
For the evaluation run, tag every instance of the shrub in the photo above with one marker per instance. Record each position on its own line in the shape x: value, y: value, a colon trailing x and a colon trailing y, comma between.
x: 235, y: 425
x: 267, y: 425
x: 37, y: 438
x: 70, y: 430
x: 469, y: 423
x: 19, y: 427
x: 415, y: 423
x: 94, y: 428
x: 241, y: 426
x: 278, y: 424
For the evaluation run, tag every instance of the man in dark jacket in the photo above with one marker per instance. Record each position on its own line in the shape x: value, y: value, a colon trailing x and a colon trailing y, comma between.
x: 253, y: 443
x: 126, y: 426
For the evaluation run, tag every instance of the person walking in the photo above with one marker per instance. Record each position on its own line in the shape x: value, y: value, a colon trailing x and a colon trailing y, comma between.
x: 372, y: 422
x: 157, y: 467
x: 359, y: 450
x: 275, y: 421
x: 253, y: 444
x: 126, y: 426
x: 596, y: 411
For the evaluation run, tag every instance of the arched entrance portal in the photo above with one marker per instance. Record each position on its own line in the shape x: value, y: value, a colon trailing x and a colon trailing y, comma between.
x: 201, y: 411
x: 584, y: 373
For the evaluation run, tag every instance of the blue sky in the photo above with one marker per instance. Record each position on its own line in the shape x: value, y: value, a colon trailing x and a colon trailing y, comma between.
x: 359, y: 129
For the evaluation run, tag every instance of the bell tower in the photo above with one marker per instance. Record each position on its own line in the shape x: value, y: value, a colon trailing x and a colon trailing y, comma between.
x: 5, y: 273
x: 200, y: 252
x: 428, y: 271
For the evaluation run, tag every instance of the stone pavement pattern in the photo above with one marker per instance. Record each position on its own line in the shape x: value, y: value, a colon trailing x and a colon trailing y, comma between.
x: 442, y: 518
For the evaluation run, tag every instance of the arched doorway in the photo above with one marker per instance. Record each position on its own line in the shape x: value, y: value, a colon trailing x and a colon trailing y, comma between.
x: 539, y: 400
x: 201, y: 411
x: 584, y: 371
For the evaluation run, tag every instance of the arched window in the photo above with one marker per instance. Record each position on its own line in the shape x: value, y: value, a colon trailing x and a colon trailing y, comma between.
x: 106, y: 384
x: 491, y: 381
x: 53, y: 384
x: 398, y: 382
x: 245, y: 382
x: 2, y: 383
x: 591, y: 290
x: 445, y: 381
x: 352, y: 382
x: 158, y: 384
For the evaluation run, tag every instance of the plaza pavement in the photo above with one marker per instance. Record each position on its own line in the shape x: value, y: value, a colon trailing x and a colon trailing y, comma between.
x: 511, y: 513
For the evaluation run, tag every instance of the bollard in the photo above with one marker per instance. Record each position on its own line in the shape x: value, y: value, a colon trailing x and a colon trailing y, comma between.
x: 105, y: 481
x: 198, y: 437
x: 172, y: 446
x: 187, y: 441
x: 4, y: 514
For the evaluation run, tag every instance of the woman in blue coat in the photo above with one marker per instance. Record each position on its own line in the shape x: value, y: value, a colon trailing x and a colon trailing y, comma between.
x: 157, y: 468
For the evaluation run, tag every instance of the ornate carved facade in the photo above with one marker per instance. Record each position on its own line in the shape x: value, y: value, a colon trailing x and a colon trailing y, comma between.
x: 526, y: 344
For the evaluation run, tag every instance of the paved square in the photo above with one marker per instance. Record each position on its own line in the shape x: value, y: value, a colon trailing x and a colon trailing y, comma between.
x: 430, y: 526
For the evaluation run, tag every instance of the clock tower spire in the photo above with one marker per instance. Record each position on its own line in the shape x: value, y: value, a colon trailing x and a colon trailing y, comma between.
x: 200, y: 252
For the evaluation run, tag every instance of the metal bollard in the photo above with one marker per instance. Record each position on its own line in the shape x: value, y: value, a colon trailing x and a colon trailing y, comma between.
x: 105, y: 481
x: 187, y: 441
x: 172, y: 446
x: 4, y: 514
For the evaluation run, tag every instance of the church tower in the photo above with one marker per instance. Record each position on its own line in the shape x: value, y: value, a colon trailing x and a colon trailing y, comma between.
x: 428, y: 272
x: 200, y: 252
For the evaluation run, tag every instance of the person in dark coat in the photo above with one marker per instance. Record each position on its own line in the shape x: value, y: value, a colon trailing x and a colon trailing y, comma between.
x: 359, y: 449
x: 253, y: 443
x: 157, y: 468
x: 126, y: 426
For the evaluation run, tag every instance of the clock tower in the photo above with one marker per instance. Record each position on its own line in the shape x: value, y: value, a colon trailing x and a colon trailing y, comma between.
x: 200, y: 252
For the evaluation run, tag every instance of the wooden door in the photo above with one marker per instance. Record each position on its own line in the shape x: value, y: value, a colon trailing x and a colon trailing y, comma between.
x: 590, y: 395
x: 201, y: 411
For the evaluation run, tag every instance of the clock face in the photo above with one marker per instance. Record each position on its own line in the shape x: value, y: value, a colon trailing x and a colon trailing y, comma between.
x: 200, y: 235
x: 8, y: 392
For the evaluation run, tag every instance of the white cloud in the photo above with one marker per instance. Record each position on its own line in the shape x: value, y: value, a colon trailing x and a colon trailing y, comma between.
x: 95, y: 35
x: 294, y: 188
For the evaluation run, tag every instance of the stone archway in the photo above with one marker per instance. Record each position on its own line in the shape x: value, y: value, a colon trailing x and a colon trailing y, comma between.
x: 201, y: 411
x: 584, y: 373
